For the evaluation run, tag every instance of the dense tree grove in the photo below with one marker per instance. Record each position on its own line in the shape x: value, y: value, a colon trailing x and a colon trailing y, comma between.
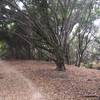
x: 58, y: 30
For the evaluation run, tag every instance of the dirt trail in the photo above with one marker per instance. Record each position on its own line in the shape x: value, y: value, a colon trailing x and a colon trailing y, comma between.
x: 14, y: 86
x: 37, y: 80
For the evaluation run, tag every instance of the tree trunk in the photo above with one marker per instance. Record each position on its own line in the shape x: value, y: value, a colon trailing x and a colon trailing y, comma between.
x: 67, y: 55
x: 78, y: 61
x: 60, y: 64
x: 67, y: 59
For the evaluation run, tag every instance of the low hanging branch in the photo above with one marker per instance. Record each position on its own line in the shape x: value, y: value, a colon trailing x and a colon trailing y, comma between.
x: 50, y: 22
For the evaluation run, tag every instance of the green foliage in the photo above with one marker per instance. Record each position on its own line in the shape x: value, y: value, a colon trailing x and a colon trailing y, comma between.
x: 47, y: 25
x: 3, y: 49
x: 88, y: 65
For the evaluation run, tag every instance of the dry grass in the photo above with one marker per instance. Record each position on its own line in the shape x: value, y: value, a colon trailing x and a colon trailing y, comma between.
x: 32, y: 80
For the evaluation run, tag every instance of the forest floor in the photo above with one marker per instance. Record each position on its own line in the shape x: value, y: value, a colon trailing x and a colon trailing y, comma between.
x: 37, y: 80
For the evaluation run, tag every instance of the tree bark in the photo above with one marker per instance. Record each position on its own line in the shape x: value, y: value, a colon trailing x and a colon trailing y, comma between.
x: 67, y: 55
x: 60, y: 64
x: 78, y: 61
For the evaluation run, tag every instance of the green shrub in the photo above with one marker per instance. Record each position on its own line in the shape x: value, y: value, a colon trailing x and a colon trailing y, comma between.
x: 88, y: 65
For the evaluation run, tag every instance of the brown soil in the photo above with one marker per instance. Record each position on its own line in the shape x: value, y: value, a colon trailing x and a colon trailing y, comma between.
x: 37, y: 80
